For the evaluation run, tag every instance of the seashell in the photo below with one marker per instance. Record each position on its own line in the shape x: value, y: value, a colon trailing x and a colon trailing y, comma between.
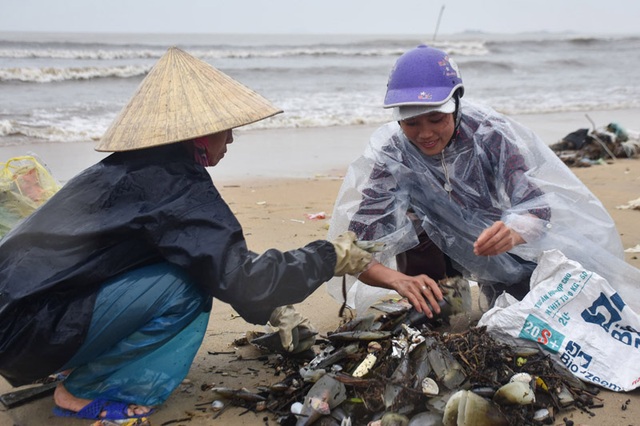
x: 341, y: 416
x: 312, y: 376
x: 447, y: 370
x: 326, y: 394
x: 468, y: 409
x: 522, y: 377
x: 394, y: 419
x: 542, y: 415
x: 426, y: 418
x: 422, y: 366
x: 430, y: 387
x: 484, y: 391
x: 327, y: 421
x: 438, y: 403
x: 330, y: 356
x: 393, y: 388
x: 359, y: 335
x: 477, y: 411
x: 279, y: 387
x: 374, y: 347
x: 217, y: 405
x: 367, y: 363
x: 450, y: 417
x: 296, y: 408
x: 515, y: 393
x: 564, y: 397
x: 243, y: 394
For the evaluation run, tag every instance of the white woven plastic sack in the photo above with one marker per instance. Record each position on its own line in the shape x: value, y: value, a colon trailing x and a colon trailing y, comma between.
x: 579, y: 319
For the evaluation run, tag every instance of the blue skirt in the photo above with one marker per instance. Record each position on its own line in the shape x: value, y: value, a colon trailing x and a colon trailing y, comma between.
x: 146, y: 329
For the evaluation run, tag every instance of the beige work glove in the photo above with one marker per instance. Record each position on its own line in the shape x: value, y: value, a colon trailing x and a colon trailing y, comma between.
x: 295, y: 331
x: 350, y: 259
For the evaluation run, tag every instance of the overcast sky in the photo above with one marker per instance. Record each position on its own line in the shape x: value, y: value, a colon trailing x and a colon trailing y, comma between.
x: 321, y: 16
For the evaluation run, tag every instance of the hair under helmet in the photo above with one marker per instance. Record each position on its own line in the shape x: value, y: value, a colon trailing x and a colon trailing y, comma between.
x: 423, y: 80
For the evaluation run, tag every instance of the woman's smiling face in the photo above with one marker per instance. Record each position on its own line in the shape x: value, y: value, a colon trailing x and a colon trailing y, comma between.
x: 430, y: 133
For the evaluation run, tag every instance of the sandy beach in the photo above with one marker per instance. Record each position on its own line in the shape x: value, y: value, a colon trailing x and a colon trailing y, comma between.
x: 271, y: 179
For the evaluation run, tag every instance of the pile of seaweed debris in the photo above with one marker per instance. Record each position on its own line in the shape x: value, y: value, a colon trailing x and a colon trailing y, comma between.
x: 584, y: 147
x: 389, y: 370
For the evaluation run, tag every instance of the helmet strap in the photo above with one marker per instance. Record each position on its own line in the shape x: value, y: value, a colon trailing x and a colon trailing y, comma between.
x: 457, y: 116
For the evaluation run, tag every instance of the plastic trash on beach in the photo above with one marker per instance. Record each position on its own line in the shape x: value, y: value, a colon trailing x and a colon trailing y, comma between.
x: 316, y: 216
x: 581, y: 320
x: 631, y: 205
x: 25, y: 184
x: 584, y: 147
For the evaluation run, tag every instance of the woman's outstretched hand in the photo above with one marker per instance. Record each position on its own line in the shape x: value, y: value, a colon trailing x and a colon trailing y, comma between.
x: 421, y: 291
x: 496, y: 239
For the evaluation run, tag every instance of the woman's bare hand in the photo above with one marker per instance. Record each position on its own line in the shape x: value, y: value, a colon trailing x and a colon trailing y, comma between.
x: 496, y: 239
x: 421, y: 291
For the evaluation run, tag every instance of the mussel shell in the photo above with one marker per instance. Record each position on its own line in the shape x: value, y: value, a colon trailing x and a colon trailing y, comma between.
x: 430, y: 387
x: 466, y: 408
x: 359, y: 335
x: 522, y: 377
x: 474, y: 410
x: 515, y: 393
x: 542, y: 415
x: 426, y: 418
x: 394, y: 419
x: 365, y: 366
x: 484, y: 391
x: 450, y: 417
x: 229, y: 393
x: 296, y: 407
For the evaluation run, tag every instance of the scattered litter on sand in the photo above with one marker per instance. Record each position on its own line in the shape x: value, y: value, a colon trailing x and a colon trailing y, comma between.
x: 396, y: 367
x: 584, y: 147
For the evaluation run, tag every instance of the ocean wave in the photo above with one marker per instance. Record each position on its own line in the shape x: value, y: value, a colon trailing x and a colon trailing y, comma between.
x: 76, y: 129
x: 209, y: 53
x: 6, y: 128
x: 82, y: 54
x: 460, y: 48
x: 91, y: 128
x: 50, y: 74
x: 518, y: 106
x: 477, y: 45
x: 480, y: 66
x: 463, y: 48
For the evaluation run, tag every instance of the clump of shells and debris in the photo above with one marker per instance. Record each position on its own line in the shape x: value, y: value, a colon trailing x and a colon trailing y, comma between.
x: 395, y: 367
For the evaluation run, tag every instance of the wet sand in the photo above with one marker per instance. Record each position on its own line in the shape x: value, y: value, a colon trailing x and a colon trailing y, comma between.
x: 271, y: 180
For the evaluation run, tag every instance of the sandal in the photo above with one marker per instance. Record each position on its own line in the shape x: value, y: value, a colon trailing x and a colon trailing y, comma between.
x: 115, y: 410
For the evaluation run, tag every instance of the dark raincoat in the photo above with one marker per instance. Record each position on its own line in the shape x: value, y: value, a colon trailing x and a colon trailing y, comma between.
x: 133, y: 209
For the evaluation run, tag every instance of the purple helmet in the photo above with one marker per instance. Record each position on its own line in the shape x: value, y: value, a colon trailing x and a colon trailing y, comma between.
x: 423, y: 76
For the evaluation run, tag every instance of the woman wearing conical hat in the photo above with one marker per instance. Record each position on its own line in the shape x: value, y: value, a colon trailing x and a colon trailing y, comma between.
x: 111, y: 281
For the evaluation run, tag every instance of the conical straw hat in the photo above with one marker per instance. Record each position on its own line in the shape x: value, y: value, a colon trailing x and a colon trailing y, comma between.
x: 183, y: 98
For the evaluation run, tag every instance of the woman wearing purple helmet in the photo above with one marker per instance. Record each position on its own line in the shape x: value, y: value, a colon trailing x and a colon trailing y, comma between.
x: 454, y: 188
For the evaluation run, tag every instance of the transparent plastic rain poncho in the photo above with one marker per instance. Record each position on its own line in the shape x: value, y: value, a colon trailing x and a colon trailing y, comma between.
x: 496, y: 170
